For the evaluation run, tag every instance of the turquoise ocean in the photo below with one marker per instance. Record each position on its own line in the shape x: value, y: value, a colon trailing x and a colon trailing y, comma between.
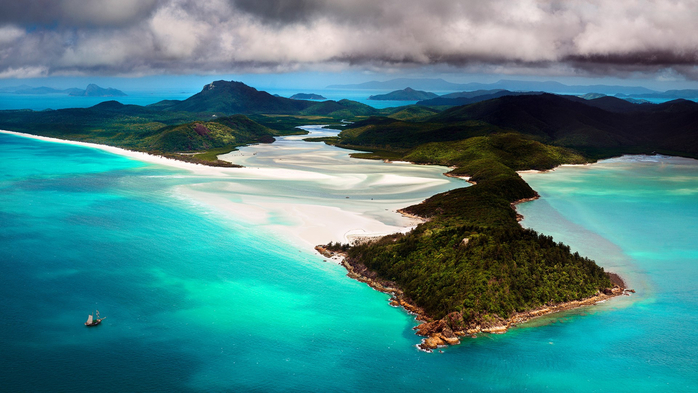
x: 198, y: 300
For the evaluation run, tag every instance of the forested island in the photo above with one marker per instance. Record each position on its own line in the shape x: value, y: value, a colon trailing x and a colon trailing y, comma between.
x: 307, y: 96
x: 407, y: 94
x: 470, y: 267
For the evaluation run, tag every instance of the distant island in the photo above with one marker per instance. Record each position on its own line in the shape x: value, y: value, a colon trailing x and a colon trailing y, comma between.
x: 307, y: 96
x: 517, y: 85
x: 96, y: 91
x: 669, y: 94
x: 407, y: 94
x: 92, y: 90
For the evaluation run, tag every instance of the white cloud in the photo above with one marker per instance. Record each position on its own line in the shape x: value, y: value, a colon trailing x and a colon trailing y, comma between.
x: 176, y: 33
x: 24, y: 72
x: 10, y: 34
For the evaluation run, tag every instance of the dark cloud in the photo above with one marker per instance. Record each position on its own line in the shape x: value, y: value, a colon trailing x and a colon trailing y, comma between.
x: 284, y: 11
x: 658, y: 58
x: 75, y: 13
x: 32, y: 12
x: 134, y: 37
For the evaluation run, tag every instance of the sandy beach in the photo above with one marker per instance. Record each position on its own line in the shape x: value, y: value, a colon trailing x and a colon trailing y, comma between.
x: 308, y: 193
x: 136, y: 155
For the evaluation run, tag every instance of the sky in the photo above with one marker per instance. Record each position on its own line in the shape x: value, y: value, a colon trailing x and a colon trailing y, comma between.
x: 630, y: 42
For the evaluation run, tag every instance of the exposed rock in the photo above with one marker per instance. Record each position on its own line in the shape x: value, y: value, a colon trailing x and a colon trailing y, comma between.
x: 432, y: 342
x: 451, y: 340
x: 446, y: 332
x: 430, y: 328
x: 495, y: 329
x: 324, y: 252
x: 201, y: 129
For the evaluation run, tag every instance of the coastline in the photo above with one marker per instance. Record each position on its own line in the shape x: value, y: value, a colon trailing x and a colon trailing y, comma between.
x: 312, y: 223
x: 450, y: 329
x: 519, y: 216
x: 440, y: 333
x: 136, y: 155
x: 466, y: 178
x: 315, y: 226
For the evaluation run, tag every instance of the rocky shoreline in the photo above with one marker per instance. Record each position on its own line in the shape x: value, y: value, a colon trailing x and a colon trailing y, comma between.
x: 450, y: 329
x: 519, y: 216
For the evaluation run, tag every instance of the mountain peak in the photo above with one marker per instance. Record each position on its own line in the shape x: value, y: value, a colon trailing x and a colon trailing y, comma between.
x: 231, y: 97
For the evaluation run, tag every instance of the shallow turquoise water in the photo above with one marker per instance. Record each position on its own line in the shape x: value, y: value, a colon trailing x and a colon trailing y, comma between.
x: 199, y: 301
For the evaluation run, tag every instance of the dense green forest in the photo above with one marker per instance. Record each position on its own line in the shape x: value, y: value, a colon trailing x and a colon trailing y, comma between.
x: 472, y: 258
x: 472, y: 261
x: 481, y: 271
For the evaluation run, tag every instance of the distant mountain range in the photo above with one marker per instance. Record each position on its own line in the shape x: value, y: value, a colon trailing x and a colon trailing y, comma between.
x: 602, y: 122
x: 599, y: 127
x: 92, y: 90
x: 402, y: 83
x: 466, y: 98
x: 515, y: 85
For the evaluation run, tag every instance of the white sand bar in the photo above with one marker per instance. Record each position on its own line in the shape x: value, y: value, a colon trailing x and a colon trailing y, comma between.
x: 306, y: 191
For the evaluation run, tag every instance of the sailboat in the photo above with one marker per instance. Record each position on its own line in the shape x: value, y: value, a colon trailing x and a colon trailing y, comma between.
x: 94, y: 321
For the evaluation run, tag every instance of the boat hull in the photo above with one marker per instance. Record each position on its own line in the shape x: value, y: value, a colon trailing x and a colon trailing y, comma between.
x: 94, y: 323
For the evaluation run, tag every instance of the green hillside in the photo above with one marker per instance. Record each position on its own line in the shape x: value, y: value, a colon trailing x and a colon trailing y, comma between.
x: 598, y: 128
x: 236, y: 97
x: 472, y: 263
x: 144, y: 129
x: 208, y: 121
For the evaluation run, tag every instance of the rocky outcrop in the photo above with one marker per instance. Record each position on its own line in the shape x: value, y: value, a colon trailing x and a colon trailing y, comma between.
x: 442, y: 332
x: 324, y: 251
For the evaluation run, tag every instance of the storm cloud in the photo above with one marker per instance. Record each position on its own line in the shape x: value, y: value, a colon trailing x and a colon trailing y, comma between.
x: 136, y: 37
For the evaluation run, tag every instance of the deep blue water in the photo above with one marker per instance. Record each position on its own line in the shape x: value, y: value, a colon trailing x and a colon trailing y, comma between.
x: 198, y: 301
